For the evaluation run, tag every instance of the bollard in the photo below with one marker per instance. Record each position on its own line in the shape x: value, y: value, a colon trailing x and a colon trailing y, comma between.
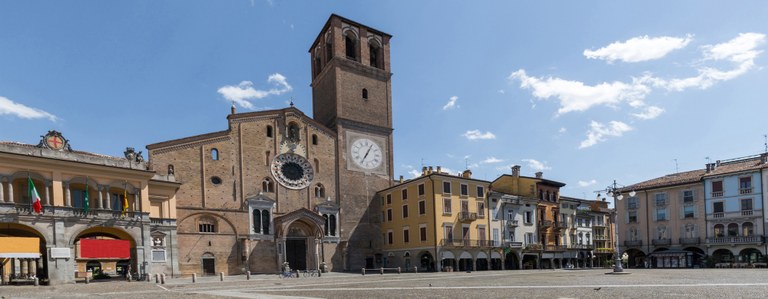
x: 415, y: 269
x: 157, y: 277
x: 247, y: 275
x: 194, y: 277
x: 87, y: 279
x: 363, y: 271
x: 381, y: 270
x: 221, y: 276
x: 162, y: 278
x: 297, y: 273
x: 37, y: 281
x: 398, y: 270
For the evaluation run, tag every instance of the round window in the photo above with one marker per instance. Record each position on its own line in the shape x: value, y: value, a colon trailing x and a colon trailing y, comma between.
x: 216, y: 180
x: 292, y: 171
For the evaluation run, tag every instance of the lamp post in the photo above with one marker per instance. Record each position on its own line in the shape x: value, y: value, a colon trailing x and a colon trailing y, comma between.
x: 613, y: 191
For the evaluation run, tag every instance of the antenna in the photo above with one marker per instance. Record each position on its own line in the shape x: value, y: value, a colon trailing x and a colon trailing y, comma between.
x: 466, y: 163
x: 422, y: 162
x: 676, y: 169
x: 765, y: 136
x: 708, y: 159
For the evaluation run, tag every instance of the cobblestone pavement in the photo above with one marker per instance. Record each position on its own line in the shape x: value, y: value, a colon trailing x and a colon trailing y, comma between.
x: 641, y: 283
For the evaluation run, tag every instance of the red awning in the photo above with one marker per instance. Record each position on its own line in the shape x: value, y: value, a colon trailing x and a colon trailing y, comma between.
x: 105, y: 249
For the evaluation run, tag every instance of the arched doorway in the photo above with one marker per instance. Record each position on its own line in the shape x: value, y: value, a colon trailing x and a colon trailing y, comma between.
x: 299, y: 234
x: 481, y: 262
x: 530, y: 261
x: 511, y: 261
x: 209, y: 263
x: 750, y: 255
x: 426, y: 261
x: 636, y: 258
x: 447, y: 261
x: 495, y: 260
x: 296, y: 246
x: 697, y: 257
x: 107, y: 246
x: 465, y: 262
x: 25, y: 256
x: 723, y: 256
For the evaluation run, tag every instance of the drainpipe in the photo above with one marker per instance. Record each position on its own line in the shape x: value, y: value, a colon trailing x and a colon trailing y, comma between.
x: 647, y: 224
x: 434, y: 219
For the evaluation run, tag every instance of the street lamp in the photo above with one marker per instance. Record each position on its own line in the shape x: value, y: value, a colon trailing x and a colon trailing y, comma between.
x: 613, y: 191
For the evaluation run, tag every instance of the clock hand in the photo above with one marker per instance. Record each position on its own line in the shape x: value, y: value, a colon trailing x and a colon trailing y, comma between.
x: 366, y: 152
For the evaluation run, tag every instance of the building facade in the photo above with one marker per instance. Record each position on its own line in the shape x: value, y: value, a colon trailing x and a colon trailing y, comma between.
x: 278, y: 186
x: 102, y: 215
x: 438, y: 222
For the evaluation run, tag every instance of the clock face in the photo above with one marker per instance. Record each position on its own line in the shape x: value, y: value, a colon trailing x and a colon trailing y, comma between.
x: 292, y: 171
x: 366, y: 153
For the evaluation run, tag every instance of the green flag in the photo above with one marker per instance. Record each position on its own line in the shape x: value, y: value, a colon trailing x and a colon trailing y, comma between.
x: 86, y: 202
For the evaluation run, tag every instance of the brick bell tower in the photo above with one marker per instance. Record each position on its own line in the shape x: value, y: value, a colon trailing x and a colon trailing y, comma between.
x: 351, y: 93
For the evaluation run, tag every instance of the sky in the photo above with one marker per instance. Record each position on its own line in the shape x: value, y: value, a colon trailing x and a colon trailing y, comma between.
x: 587, y: 92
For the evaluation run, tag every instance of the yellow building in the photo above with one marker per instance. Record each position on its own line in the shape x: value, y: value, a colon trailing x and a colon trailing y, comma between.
x: 99, y: 213
x: 436, y: 222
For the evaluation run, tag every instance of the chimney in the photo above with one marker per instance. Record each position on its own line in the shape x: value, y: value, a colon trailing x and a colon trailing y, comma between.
x: 763, y: 158
x: 424, y: 170
x: 466, y: 174
x: 516, y: 170
x: 233, y: 108
x: 430, y: 169
x: 438, y: 169
x: 717, y: 164
x: 401, y: 179
x: 709, y: 167
x: 539, y: 174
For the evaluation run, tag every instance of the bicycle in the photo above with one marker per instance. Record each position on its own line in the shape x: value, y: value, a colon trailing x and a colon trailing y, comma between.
x: 287, y: 274
x: 311, y: 273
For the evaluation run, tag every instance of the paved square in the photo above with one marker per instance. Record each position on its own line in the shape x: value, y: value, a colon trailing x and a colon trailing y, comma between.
x: 641, y: 283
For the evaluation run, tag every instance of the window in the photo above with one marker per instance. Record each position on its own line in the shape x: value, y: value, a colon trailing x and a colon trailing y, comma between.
x: 350, y: 45
x: 261, y: 221
x: 421, y: 189
x: 423, y: 233
x: 719, y: 231
x: 269, y: 131
x: 446, y: 187
x: 464, y: 190
x: 266, y: 158
x: 330, y: 224
x: 746, y: 204
x: 446, y: 206
x: 661, y: 199
x: 717, y: 188
x: 747, y: 229
x: 389, y: 199
x: 206, y: 226
x: 528, y: 217
x: 319, y: 191
x: 733, y: 230
x: 688, y: 211
x: 406, y: 235
x: 632, y: 216
x: 422, y: 207
x: 390, y: 237
x: 375, y: 54
x: 529, y: 239
x: 661, y: 214
x: 495, y: 236
x: 215, y: 180
x: 214, y: 154
x: 293, y: 132
x: 405, y: 211
x: 717, y: 207
x: 632, y: 203
x: 405, y: 194
x: 389, y: 214
x: 688, y: 196
x: 317, y: 166
x: 464, y: 206
x: 449, y: 233
x: 745, y: 183
x: 365, y: 94
x: 170, y: 169
x: 267, y: 185
x: 481, y: 209
x: 314, y: 139
x: 328, y: 49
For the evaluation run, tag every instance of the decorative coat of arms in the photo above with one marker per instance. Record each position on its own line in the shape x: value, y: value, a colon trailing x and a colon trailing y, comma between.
x: 55, y: 141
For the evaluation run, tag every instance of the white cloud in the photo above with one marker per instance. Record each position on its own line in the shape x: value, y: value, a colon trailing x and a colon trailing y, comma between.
x: 501, y: 91
x: 598, y: 132
x: 641, y: 48
x: 587, y: 183
x: 244, y: 92
x: 576, y: 96
x: 473, y: 165
x: 741, y: 51
x: 477, y: 135
x: 491, y: 160
x: 536, y: 165
x: 650, y: 112
x: 451, y: 103
x: 414, y: 173
x: 8, y: 107
x: 562, y: 130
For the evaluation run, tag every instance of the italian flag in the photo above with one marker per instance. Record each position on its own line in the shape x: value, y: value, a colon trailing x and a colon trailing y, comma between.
x: 35, y: 197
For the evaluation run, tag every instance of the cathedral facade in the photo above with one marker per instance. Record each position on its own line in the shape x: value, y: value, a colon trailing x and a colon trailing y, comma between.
x: 278, y: 186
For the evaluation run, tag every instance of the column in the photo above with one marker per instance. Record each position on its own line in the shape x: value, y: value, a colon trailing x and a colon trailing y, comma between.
x: 47, y: 193
x: 31, y: 267
x: 109, y: 199
x: 100, y: 205
x: 23, y: 267
x: 2, y: 196
x: 67, y: 197
x: 10, y: 190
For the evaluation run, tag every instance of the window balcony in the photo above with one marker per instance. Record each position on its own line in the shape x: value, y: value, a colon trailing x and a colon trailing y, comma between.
x: 735, y: 240
x: 554, y: 247
x: 513, y: 244
x: 718, y: 215
x: 602, y: 238
x: 746, y: 213
x: 468, y: 243
x: 745, y: 190
x: 532, y: 247
x: 580, y: 246
x: 467, y: 217
x: 560, y: 225
x: 690, y: 241
x: 545, y: 223
x: 661, y: 242
x: 717, y: 194
x: 633, y: 243
x: 512, y: 223
x: 604, y: 250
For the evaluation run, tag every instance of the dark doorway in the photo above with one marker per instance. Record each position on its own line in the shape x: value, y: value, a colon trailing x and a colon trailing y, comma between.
x: 296, y: 254
x: 209, y: 266
x: 369, y: 263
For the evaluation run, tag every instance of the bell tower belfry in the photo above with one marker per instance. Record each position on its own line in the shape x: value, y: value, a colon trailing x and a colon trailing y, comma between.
x: 351, y: 95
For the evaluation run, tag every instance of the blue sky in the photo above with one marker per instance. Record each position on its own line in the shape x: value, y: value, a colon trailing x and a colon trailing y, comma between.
x: 585, y: 91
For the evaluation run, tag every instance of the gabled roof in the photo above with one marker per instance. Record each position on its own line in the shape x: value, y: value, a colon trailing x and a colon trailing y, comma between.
x: 680, y: 178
